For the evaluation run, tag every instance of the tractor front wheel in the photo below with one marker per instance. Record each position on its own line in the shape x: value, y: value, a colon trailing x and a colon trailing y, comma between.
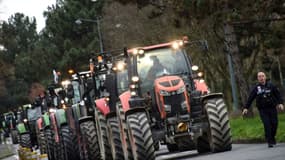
x: 139, y: 134
x: 219, y: 131
x: 89, y: 141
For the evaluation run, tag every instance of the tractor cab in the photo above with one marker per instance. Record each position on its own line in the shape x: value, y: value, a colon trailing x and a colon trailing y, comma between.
x: 162, y: 73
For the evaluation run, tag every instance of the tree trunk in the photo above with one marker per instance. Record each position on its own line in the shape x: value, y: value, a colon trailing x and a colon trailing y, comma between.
x: 232, y: 49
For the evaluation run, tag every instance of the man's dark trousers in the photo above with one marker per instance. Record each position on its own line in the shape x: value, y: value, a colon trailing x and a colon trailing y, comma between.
x: 270, y: 122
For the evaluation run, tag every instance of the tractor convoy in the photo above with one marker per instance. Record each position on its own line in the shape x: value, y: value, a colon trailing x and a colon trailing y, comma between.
x: 128, y: 104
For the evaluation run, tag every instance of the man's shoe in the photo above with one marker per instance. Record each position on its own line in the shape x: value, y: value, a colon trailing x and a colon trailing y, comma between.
x: 270, y: 145
x: 274, y: 142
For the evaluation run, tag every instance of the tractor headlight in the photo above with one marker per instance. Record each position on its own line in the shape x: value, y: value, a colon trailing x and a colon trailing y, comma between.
x: 120, y: 66
x: 177, y: 44
x: 82, y: 103
x: 133, y: 86
x: 65, y: 83
x: 52, y: 110
x: 181, y: 90
x: 167, y: 108
x: 135, y: 78
x: 133, y: 93
x: 164, y: 93
x: 138, y: 51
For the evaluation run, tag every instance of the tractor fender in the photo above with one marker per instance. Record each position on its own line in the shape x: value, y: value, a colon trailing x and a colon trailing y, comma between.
x: 102, y: 106
x: 60, y: 117
x: 212, y: 95
x: 201, y: 86
x: 133, y: 110
x: 46, y: 120
x: 54, y: 126
x: 124, y: 98
x: 85, y: 118
x: 40, y: 123
x: 76, y: 111
x: 21, y: 128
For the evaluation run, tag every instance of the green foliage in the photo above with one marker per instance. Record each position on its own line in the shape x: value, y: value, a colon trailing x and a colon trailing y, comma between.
x: 252, y: 129
x: 19, y: 35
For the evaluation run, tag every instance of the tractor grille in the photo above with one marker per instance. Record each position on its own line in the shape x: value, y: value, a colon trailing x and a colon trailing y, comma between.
x: 165, y: 84
x: 175, y: 102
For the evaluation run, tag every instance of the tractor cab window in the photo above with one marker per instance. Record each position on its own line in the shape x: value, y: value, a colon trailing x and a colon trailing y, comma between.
x: 159, y: 62
x: 122, y: 81
x: 9, y: 117
x: 76, y: 89
x: 34, y: 114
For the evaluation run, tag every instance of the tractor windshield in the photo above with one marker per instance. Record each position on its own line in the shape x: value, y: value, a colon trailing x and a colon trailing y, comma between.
x: 122, y: 81
x: 34, y: 114
x: 158, y: 62
x: 9, y: 116
x: 76, y: 89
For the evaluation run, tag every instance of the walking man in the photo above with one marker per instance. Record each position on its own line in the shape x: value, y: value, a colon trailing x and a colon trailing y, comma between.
x: 268, y: 99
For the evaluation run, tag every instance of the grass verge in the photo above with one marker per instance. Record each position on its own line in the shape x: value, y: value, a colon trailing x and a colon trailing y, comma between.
x: 251, y: 129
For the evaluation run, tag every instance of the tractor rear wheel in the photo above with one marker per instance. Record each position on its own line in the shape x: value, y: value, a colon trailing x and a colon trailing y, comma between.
x: 42, y: 142
x: 115, y: 139
x: 124, y: 133
x: 219, y: 131
x: 50, y: 144
x: 89, y: 141
x: 14, y: 136
x: 139, y: 133
x: 69, y: 147
x: 101, y: 126
x: 26, y: 140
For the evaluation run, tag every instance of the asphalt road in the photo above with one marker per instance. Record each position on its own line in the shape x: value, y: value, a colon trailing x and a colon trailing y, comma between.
x: 239, y: 152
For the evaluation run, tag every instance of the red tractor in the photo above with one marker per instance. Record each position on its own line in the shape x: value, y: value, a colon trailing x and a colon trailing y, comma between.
x: 163, y: 104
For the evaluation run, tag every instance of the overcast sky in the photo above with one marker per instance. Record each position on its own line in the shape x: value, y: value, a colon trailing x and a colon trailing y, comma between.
x: 31, y: 8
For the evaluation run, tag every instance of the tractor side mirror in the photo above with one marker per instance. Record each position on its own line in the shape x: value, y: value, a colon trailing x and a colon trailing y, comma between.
x: 70, y: 91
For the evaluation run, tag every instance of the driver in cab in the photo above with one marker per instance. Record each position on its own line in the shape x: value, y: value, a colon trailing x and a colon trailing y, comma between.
x: 156, y: 68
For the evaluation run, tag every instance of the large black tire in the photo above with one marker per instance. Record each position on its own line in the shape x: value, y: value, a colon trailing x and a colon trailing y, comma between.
x: 69, y: 148
x: 115, y: 139
x: 219, y: 131
x: 101, y: 126
x: 127, y: 149
x: 59, y: 150
x: 14, y: 136
x: 42, y: 142
x: 140, y: 136
x: 26, y: 140
x: 50, y: 144
x: 90, y: 141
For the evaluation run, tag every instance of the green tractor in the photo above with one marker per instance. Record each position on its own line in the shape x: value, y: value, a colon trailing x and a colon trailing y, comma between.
x: 58, y: 135
x: 26, y: 118
x: 9, y: 126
